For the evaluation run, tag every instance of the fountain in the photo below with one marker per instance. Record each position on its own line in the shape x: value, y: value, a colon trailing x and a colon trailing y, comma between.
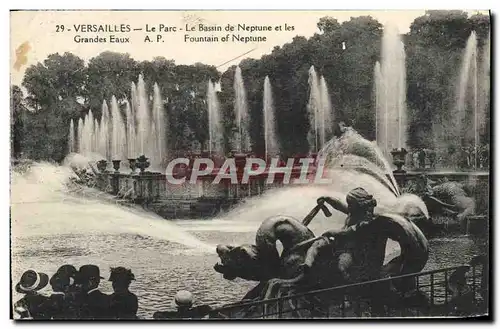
x: 472, y: 97
x: 83, y: 140
x: 326, y: 111
x: 159, y: 132
x: 320, y: 112
x: 142, y: 118
x: 352, y: 153
x: 377, y: 91
x: 270, y: 140
x: 149, y: 129
x: 104, y: 140
x: 96, y: 134
x: 154, y: 158
x: 214, y: 121
x: 313, y: 108
x: 117, y: 132
x: 86, y: 139
x: 79, y: 134
x: 242, y: 139
x: 118, y: 137
x: 71, y: 137
x: 484, y: 84
x: 390, y: 87
x: 130, y: 129
x: 90, y: 128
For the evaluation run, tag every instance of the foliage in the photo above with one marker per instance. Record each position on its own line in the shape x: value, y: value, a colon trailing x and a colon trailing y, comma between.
x: 63, y: 87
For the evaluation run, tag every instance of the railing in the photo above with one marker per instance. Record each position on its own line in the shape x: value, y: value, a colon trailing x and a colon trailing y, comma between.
x: 453, y: 291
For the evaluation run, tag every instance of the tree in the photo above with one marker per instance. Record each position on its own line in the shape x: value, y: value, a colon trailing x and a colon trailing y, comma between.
x: 109, y: 74
x: 58, y: 78
x: 62, y: 87
x: 54, y: 90
x: 328, y: 24
x: 18, y: 113
x: 161, y: 71
x: 435, y: 46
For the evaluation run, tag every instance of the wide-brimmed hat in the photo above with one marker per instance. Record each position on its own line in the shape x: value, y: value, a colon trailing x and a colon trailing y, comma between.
x: 89, y: 271
x: 121, y: 274
x: 32, y: 281
x: 67, y: 269
x: 65, y: 275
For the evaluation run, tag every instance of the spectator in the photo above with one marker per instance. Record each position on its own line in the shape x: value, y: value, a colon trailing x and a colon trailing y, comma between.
x: 123, y: 303
x: 32, y: 305
x: 94, y: 303
x: 185, y: 310
x: 415, y: 158
x: 421, y: 159
x: 432, y: 159
x: 63, y: 302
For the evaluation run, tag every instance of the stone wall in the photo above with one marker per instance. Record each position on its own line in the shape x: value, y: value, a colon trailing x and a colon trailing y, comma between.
x: 152, y: 190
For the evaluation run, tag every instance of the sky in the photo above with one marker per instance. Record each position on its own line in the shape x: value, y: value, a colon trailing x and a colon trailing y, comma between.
x: 34, y: 34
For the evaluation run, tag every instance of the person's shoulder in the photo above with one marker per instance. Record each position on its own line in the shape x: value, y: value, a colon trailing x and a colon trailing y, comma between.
x: 166, y: 315
x: 131, y: 296
x: 98, y: 294
x: 200, y: 311
x: 57, y: 297
x: 36, y: 298
x: 128, y: 297
x: 102, y: 294
x: 124, y: 294
x: 203, y: 308
x: 21, y: 301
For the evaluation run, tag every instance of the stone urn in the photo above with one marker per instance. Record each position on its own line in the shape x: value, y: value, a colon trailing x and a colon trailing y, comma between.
x: 398, y: 159
x: 116, y: 166
x: 132, y: 165
x: 142, y: 163
x: 101, y: 165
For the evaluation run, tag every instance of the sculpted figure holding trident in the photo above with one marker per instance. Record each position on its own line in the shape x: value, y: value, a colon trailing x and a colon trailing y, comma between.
x: 352, y: 254
x: 365, y: 236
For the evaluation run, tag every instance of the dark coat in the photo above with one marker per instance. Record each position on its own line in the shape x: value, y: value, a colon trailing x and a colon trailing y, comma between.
x: 95, y: 305
x: 56, y: 305
x: 124, y: 305
x: 36, y: 305
x: 63, y: 306
x: 196, y: 312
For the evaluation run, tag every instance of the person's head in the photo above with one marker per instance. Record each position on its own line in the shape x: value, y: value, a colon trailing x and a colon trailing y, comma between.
x: 360, y: 203
x: 31, y: 282
x: 64, y: 278
x: 183, y: 299
x: 121, y: 278
x: 89, y: 277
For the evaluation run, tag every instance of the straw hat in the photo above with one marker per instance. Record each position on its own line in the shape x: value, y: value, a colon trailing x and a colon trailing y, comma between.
x: 32, y: 281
